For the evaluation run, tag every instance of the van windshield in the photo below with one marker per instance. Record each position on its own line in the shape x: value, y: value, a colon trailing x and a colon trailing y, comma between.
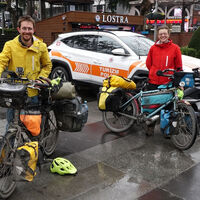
x: 140, y: 45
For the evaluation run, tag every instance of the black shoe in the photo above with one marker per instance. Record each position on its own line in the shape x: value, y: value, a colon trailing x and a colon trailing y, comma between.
x: 150, y: 130
x: 167, y: 136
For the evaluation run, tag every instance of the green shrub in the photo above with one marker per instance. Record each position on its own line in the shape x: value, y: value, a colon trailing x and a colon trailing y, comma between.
x: 190, y: 52
x: 9, y: 31
x: 184, y: 50
x: 198, y: 54
x: 195, y: 40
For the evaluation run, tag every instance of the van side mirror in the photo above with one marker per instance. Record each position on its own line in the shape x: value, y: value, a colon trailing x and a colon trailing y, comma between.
x: 119, y: 52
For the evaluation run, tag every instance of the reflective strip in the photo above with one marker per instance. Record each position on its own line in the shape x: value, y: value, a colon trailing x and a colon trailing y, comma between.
x: 33, y: 63
x: 81, y: 67
x: 166, y: 61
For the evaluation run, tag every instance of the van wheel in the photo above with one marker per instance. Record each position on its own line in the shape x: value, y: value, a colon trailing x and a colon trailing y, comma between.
x: 60, y: 72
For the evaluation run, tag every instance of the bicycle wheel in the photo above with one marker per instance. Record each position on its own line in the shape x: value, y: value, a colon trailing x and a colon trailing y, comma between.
x: 118, y: 123
x: 186, y: 131
x: 7, y: 181
x: 50, y: 134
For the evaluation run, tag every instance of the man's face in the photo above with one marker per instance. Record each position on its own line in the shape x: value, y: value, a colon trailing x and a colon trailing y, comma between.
x: 26, y: 31
x: 163, y: 35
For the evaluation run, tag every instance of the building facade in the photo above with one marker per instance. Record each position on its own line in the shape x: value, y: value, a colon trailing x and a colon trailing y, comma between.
x: 99, y: 17
x: 49, y: 29
x: 173, y: 13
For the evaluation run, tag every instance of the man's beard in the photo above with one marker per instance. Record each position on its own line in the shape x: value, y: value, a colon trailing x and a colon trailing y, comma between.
x: 25, y: 39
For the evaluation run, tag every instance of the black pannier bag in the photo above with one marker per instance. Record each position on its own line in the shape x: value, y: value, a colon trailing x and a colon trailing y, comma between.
x: 71, y: 114
x: 109, y: 98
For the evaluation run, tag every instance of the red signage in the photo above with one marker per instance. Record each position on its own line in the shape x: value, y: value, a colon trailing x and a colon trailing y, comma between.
x: 168, y: 21
x: 88, y: 27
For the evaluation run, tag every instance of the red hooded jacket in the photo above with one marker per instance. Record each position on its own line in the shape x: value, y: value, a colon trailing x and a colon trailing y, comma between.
x: 160, y: 57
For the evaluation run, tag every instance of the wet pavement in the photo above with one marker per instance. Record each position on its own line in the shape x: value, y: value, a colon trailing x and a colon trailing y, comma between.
x: 127, y: 166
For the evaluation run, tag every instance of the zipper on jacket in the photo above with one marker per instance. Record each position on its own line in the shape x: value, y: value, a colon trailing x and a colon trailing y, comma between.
x: 166, y: 61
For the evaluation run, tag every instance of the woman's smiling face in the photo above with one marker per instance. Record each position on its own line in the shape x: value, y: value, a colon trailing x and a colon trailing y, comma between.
x: 163, y: 35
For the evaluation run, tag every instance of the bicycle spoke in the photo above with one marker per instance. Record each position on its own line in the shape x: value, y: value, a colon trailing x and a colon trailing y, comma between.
x: 186, y: 127
x: 7, y: 183
x: 117, y: 122
x: 51, y: 135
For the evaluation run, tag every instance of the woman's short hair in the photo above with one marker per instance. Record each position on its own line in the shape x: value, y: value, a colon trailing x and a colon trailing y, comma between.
x: 164, y: 27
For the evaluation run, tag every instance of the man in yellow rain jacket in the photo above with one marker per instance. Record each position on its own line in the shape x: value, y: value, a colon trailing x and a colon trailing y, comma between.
x: 28, y: 52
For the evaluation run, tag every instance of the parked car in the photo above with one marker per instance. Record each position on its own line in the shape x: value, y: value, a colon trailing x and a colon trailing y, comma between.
x: 91, y: 56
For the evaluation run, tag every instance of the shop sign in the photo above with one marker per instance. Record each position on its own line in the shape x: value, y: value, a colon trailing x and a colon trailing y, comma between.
x: 176, y: 29
x: 112, y: 19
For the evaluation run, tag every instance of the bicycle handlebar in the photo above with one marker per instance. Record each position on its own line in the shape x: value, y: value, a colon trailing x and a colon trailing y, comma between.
x: 34, y: 84
x: 162, y: 73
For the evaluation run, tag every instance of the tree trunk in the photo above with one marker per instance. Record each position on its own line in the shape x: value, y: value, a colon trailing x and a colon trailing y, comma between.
x: 144, y: 9
x: 43, y: 10
x: 183, y: 16
x: 30, y: 7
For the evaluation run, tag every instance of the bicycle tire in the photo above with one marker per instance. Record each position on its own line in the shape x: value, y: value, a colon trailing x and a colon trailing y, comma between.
x: 50, y: 134
x: 7, y: 181
x: 186, y: 130
x: 118, y: 123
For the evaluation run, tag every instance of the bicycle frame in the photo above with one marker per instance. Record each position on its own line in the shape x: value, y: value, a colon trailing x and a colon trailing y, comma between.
x: 140, y: 95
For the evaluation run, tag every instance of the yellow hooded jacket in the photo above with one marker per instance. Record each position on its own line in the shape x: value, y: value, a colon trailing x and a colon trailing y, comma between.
x: 35, y: 59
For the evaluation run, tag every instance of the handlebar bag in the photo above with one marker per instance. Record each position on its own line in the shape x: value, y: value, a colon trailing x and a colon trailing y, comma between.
x: 185, y: 79
x: 151, y: 101
x: 32, y: 120
x: 26, y: 161
x: 71, y: 114
x: 109, y: 98
x: 119, y: 81
x: 12, y: 95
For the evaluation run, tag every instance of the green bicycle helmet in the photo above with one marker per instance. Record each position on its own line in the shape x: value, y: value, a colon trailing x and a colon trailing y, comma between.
x: 62, y: 166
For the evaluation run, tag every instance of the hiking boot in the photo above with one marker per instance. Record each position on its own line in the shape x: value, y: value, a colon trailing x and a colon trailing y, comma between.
x: 150, y: 129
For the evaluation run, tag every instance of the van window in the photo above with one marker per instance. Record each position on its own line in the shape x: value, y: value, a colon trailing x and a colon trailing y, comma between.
x: 85, y: 42
x: 140, y: 45
x: 106, y: 44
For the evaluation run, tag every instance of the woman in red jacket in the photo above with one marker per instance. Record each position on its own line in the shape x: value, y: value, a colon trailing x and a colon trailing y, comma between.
x: 164, y: 54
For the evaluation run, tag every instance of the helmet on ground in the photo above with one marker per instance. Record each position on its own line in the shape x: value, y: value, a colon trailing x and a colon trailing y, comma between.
x: 62, y: 166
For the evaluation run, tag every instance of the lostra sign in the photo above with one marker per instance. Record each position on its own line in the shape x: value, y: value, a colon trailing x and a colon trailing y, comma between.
x: 111, y: 19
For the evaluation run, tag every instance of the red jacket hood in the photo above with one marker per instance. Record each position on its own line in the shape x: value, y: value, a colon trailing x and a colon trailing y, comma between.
x: 163, y: 45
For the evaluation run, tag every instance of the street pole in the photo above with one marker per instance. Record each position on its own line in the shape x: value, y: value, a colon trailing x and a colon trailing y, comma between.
x: 155, y: 25
x: 40, y: 10
x: 2, y: 24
